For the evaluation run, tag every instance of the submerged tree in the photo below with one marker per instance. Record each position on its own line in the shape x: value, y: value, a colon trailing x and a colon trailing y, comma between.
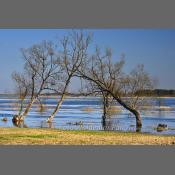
x: 107, y: 75
x: 91, y: 88
x: 50, y: 69
x: 74, y: 51
x: 41, y: 70
x: 22, y: 90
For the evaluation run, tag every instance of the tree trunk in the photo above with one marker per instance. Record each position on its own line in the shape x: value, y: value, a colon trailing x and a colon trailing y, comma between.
x: 104, y: 106
x: 57, y: 108
x: 20, y: 118
x: 107, y: 101
x: 104, y: 122
x: 28, y: 108
x: 138, y: 118
x: 49, y: 120
x: 21, y: 108
x: 133, y: 111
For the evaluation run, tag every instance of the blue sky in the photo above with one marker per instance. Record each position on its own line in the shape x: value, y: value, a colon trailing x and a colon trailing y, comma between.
x: 155, y: 48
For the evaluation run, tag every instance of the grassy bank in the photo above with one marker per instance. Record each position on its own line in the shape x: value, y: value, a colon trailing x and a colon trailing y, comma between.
x: 17, y: 136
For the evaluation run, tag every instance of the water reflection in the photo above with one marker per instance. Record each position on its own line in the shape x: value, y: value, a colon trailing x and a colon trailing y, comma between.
x: 138, y: 129
x: 114, y: 124
x: 110, y: 124
x: 107, y: 125
x: 45, y: 124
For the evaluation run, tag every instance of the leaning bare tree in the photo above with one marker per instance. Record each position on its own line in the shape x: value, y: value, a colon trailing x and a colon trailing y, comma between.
x: 41, y: 68
x: 47, y: 69
x: 22, y: 90
x: 107, y: 76
x: 91, y: 88
x: 74, y: 51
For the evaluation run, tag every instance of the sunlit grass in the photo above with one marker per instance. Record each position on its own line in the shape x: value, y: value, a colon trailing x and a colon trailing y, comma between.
x: 26, y: 136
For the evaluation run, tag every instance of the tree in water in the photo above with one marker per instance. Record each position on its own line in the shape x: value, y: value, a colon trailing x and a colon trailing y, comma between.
x: 41, y: 69
x: 74, y: 51
x: 49, y: 69
x: 22, y: 90
x: 107, y: 75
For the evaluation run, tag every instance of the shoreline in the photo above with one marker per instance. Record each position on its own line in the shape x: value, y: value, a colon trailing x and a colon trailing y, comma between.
x: 85, y: 96
x: 31, y: 136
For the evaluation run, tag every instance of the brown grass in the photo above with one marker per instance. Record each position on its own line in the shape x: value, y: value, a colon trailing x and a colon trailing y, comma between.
x: 165, y: 108
x: 88, y: 109
x: 162, y: 108
x: 26, y: 136
x: 114, y: 110
x: 42, y: 108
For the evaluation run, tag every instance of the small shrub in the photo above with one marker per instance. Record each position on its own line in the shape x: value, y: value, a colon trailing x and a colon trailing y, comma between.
x: 4, y: 119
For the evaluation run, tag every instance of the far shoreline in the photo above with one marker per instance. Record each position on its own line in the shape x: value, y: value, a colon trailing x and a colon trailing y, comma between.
x: 84, y: 96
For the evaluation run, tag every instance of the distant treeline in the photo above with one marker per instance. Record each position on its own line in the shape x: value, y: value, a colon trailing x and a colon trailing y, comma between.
x: 155, y: 92
x: 158, y: 92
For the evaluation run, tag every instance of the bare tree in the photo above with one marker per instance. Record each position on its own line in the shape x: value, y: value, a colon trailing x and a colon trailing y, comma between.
x: 49, y: 69
x: 74, y: 51
x: 91, y: 88
x: 41, y: 69
x: 108, y: 76
x: 22, y: 89
x: 137, y: 82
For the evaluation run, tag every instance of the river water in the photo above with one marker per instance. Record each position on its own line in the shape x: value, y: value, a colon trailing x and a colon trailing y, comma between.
x: 74, y: 110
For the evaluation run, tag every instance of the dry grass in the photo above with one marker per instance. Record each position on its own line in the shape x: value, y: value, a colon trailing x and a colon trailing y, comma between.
x: 26, y: 136
x: 165, y: 108
x: 114, y: 110
x: 42, y: 108
x: 88, y: 109
x: 162, y: 108
x: 146, y: 107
